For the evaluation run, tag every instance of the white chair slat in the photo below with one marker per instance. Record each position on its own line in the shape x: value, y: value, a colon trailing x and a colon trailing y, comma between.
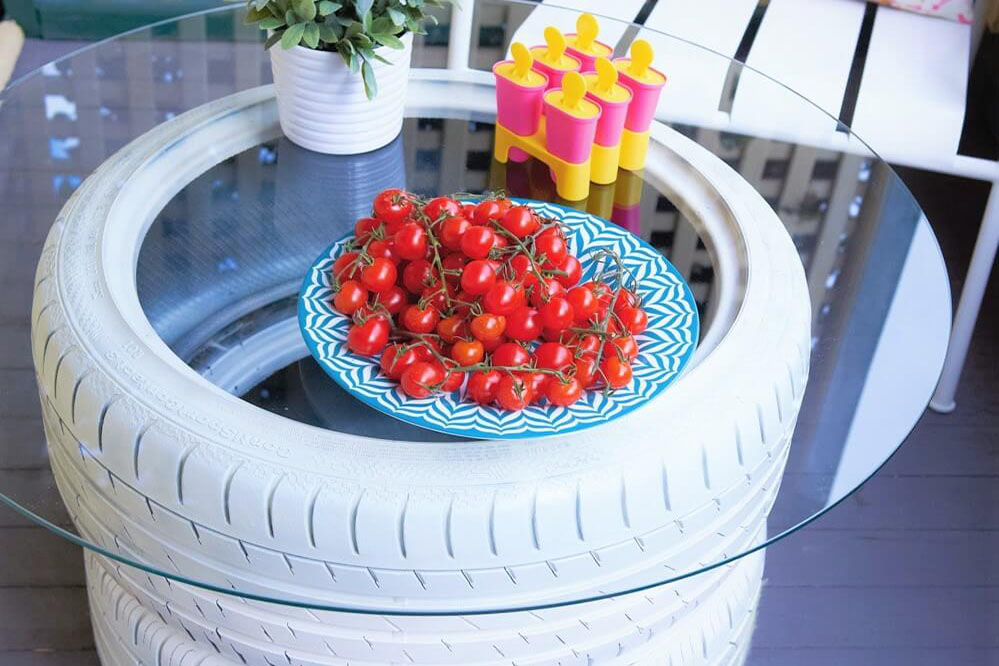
x: 619, y: 13
x: 912, y: 96
x: 808, y: 46
x: 695, y: 76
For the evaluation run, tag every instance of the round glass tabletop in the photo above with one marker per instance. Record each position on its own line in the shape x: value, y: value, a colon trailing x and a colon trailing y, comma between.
x: 218, y: 269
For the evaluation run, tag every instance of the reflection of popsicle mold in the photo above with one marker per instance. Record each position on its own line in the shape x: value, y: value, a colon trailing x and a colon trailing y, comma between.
x: 589, y: 125
x: 583, y: 44
x: 627, y: 209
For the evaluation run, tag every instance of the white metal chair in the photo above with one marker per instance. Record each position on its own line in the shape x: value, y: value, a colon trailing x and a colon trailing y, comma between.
x: 899, y: 80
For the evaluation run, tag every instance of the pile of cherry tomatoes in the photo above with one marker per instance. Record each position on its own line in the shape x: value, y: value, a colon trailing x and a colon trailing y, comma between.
x: 489, y: 292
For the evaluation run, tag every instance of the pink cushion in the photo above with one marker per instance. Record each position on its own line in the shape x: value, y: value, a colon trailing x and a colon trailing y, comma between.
x: 954, y: 10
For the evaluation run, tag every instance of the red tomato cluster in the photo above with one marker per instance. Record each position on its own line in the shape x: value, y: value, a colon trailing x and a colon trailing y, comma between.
x: 489, y: 292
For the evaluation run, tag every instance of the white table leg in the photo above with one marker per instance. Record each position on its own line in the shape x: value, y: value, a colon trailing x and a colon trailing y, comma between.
x: 975, y: 282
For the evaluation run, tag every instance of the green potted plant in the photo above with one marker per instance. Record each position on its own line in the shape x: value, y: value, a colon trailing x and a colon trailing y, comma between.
x: 340, y: 67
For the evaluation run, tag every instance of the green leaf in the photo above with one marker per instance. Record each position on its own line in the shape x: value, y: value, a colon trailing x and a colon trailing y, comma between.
x: 370, y: 85
x: 363, y: 40
x: 327, y: 7
x: 353, y: 29
x: 260, y: 4
x: 382, y: 24
x: 397, y: 17
x: 355, y: 62
x: 328, y: 33
x: 270, y: 23
x: 273, y: 39
x: 291, y: 18
x: 311, y: 35
x: 374, y: 55
x: 366, y: 21
x: 304, y: 8
x: 292, y: 36
x: 362, y: 7
x: 390, y: 41
x: 255, y: 15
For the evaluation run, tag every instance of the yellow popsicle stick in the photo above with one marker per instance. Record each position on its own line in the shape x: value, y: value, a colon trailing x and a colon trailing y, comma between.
x: 522, y: 61
x: 573, y: 90
x: 556, y: 45
x: 586, y: 32
x: 606, y: 76
x: 641, y: 58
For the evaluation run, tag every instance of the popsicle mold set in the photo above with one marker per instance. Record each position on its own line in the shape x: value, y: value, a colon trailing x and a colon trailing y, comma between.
x: 569, y: 105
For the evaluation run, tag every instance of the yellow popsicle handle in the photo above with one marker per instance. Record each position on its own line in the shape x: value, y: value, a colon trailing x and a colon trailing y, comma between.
x: 606, y: 75
x: 556, y: 45
x: 573, y: 89
x: 522, y: 61
x: 586, y: 31
x: 641, y: 58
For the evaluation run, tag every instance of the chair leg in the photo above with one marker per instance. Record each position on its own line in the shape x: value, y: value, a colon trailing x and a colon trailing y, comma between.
x: 982, y: 260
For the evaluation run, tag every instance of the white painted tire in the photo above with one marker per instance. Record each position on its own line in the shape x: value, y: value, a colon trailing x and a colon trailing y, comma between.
x: 713, y: 629
x: 408, y: 522
x: 322, y: 104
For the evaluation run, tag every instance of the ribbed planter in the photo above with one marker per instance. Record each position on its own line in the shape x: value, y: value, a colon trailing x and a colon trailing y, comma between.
x: 322, y: 105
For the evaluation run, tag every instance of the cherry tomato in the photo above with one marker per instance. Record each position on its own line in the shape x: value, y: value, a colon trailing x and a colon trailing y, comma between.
x: 491, y: 345
x: 603, y: 294
x: 634, y: 320
x: 487, y: 211
x: 452, y: 378
x: 453, y: 265
x: 616, y: 373
x: 477, y: 242
x: 573, y: 272
x: 553, y: 335
x: 346, y: 266
x: 451, y: 328
x: 482, y: 386
x: 523, y: 324
x: 550, y: 247
x: 368, y: 338
x: 423, y: 349
x: 417, y: 275
x: 351, y: 297
x: 421, y: 379
x: 411, y: 241
x: 545, y: 291
x: 380, y: 275
x: 384, y: 248
x: 625, y: 298
x: 585, y: 370
x: 513, y: 393
x: 501, y: 299
x: 553, y: 356
x: 395, y: 362
x: 520, y: 221
x: 557, y: 314
x: 364, y: 226
x: 585, y: 344
x: 468, y: 212
x: 564, y: 393
x: 510, y: 354
x: 627, y: 345
x: 523, y: 269
x: 438, y: 207
x: 452, y: 231
x: 584, y: 303
x: 537, y: 382
x: 478, y: 277
x: 393, y: 299
x: 393, y: 205
x: 467, y: 352
x: 420, y: 320
x: 488, y: 326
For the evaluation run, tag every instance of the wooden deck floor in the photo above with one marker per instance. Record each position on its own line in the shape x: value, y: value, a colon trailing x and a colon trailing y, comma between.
x: 904, y: 572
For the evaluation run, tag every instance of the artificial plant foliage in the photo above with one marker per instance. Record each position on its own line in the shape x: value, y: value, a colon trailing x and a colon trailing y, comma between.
x: 356, y: 29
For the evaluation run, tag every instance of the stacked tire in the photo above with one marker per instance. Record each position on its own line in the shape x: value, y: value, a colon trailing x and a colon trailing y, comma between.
x: 416, y: 544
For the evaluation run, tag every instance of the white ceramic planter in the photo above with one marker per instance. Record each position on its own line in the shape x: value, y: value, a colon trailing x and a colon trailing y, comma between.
x: 322, y: 105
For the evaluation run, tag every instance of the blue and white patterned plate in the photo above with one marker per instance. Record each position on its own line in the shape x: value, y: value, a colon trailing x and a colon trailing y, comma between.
x: 663, y: 349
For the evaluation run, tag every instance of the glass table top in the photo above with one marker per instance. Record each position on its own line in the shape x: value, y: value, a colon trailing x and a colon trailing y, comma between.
x: 219, y: 269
